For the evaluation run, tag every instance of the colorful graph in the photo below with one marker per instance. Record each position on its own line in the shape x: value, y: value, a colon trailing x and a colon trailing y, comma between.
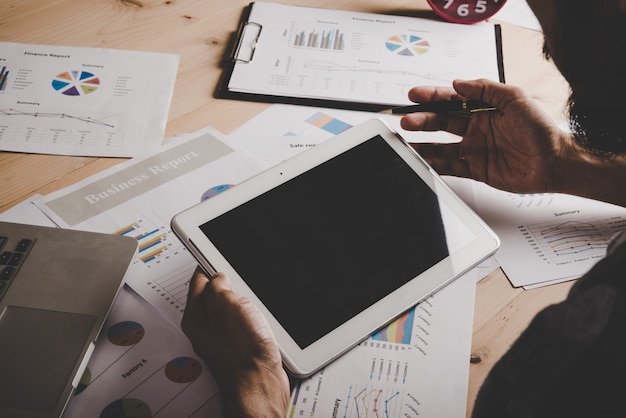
x: 127, y: 408
x: 407, y: 45
x: 126, y: 333
x: 4, y: 76
x: 532, y: 200
x: 154, y: 241
x: 327, y: 39
x: 183, y: 370
x: 374, y: 401
x: 385, y: 394
x: 160, y: 249
x: 328, y: 123
x: 215, y: 190
x: 399, y: 331
x: 75, y: 83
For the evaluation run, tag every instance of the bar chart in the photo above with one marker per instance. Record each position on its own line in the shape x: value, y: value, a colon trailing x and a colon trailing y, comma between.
x: 325, y: 39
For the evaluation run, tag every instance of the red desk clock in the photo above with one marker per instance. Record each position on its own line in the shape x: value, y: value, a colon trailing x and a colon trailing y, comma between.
x: 466, y: 11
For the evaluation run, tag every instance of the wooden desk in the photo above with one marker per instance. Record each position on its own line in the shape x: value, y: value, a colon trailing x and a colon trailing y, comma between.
x: 200, y: 32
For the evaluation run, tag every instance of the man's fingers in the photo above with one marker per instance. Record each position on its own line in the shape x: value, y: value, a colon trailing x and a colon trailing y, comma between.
x: 196, y: 284
x: 429, y: 122
x: 485, y: 90
x: 445, y: 159
x: 422, y: 122
x: 432, y: 94
x: 220, y: 282
x: 194, y: 310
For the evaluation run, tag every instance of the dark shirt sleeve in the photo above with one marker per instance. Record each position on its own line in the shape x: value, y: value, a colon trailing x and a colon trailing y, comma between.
x: 571, y: 360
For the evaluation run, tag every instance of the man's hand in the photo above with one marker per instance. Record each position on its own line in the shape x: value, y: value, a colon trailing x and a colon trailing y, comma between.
x: 235, y: 341
x: 515, y: 148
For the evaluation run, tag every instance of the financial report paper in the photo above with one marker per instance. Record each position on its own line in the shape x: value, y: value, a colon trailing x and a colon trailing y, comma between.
x: 83, y: 101
x: 350, y: 57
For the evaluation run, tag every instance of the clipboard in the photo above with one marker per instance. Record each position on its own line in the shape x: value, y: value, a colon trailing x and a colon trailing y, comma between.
x: 351, y: 60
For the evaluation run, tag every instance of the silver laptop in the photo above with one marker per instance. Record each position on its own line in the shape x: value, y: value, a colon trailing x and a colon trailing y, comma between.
x: 56, y: 289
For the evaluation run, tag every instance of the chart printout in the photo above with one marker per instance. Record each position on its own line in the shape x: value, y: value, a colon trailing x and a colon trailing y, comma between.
x: 83, y: 101
x: 139, y: 197
x: 550, y: 237
x: 358, y: 57
x: 143, y: 366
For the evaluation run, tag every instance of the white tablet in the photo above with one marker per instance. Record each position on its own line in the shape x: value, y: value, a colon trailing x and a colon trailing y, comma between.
x: 338, y: 241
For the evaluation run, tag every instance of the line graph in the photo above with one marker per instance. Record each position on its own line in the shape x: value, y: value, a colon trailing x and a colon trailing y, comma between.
x: 52, y: 115
x: 27, y: 125
x: 329, y: 66
x: 377, y: 402
x: 571, y: 239
x: 574, y: 238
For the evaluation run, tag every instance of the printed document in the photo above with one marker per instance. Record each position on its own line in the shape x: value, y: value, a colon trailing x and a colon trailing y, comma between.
x: 547, y: 238
x: 83, y: 101
x: 139, y: 197
x: 351, y: 57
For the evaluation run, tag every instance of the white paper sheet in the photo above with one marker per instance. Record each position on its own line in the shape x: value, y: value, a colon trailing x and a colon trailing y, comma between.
x: 282, y: 131
x: 357, y: 57
x: 547, y: 238
x: 145, y: 365
x: 139, y: 197
x: 27, y: 213
x: 83, y: 101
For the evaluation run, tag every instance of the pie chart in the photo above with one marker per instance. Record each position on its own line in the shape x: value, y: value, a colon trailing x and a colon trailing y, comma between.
x: 75, y: 83
x: 407, y: 45
x: 126, y: 333
x: 215, y: 190
x: 126, y: 408
x: 183, y: 370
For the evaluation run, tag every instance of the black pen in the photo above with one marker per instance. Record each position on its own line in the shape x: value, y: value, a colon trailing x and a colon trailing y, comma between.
x: 461, y: 106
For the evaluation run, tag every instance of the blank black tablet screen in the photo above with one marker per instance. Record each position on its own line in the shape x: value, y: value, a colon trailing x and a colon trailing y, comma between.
x: 325, y: 245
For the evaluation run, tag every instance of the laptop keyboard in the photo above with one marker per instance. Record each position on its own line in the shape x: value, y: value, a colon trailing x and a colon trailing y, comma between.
x: 11, y: 259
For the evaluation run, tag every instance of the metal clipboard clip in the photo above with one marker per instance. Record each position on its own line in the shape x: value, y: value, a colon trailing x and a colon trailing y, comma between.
x: 248, y: 36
